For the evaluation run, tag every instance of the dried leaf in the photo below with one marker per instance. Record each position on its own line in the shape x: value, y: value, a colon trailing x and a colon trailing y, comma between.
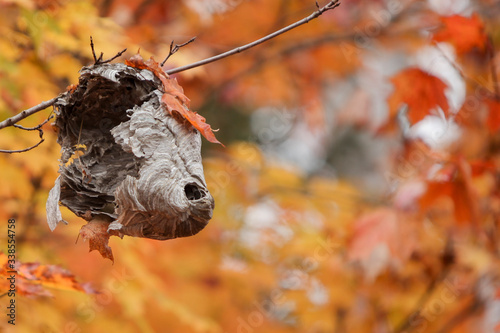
x: 174, y: 97
x: 32, y: 278
x: 421, y: 91
x: 465, y: 33
x: 96, y: 232
x: 71, y: 88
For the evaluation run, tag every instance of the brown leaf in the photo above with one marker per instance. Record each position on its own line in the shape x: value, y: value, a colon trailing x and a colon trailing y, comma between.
x: 173, y: 97
x: 465, y: 33
x: 96, y: 232
x: 421, y: 91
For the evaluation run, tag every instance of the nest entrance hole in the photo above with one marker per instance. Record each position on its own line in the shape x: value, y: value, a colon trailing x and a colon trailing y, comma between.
x: 193, y: 192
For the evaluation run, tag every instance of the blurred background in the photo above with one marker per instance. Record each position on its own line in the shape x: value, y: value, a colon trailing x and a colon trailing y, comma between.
x: 357, y: 192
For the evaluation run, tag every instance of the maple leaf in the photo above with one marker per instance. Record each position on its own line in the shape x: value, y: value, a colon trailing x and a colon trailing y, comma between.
x: 465, y: 33
x: 173, y: 96
x: 454, y: 182
x: 96, y: 232
x: 421, y: 91
x: 33, y: 278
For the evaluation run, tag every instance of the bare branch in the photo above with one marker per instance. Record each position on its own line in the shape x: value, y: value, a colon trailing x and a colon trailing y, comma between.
x: 176, y: 48
x: 112, y: 58
x: 329, y: 6
x: 173, y: 49
x: 99, y: 60
x: 460, y: 317
x: 21, y: 150
x: 35, y: 128
x: 92, y: 47
x: 26, y: 113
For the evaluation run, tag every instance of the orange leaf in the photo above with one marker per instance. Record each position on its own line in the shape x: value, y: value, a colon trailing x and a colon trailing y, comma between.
x: 96, y: 232
x: 380, y: 227
x: 493, y: 121
x: 31, y: 278
x: 173, y: 96
x: 455, y: 184
x: 71, y: 88
x: 372, y: 229
x: 464, y: 33
x: 421, y: 91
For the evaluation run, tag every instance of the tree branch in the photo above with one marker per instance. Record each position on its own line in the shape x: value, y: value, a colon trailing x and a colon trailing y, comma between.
x: 8, y: 151
x: 35, y: 128
x: 176, y: 48
x: 26, y: 113
x: 329, y: 6
x: 98, y: 60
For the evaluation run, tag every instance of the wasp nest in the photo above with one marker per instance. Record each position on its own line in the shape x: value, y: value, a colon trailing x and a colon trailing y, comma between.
x: 126, y: 159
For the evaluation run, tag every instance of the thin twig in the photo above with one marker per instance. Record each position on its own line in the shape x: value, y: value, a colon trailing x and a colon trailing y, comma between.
x: 35, y: 128
x: 8, y: 151
x: 98, y: 61
x: 26, y: 113
x: 447, y: 258
x: 461, y: 316
x: 176, y: 48
x: 112, y: 58
x: 329, y: 6
x: 93, y: 50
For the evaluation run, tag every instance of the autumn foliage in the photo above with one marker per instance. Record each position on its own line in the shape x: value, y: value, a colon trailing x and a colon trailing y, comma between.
x: 358, y: 190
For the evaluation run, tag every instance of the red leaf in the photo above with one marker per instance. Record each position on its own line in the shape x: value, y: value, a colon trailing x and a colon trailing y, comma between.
x: 96, y: 232
x: 173, y: 97
x: 465, y: 33
x: 455, y: 184
x: 421, y: 91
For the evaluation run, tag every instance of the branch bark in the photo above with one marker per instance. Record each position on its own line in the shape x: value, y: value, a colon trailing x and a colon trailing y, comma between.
x: 26, y: 113
x: 329, y: 6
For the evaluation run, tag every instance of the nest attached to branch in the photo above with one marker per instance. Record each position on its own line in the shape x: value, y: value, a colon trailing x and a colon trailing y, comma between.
x: 131, y: 160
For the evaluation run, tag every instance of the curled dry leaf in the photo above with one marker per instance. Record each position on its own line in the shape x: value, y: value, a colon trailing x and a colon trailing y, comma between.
x: 173, y: 96
x: 96, y: 232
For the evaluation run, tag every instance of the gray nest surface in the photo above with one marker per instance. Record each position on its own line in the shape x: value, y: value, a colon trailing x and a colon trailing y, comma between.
x: 125, y: 157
